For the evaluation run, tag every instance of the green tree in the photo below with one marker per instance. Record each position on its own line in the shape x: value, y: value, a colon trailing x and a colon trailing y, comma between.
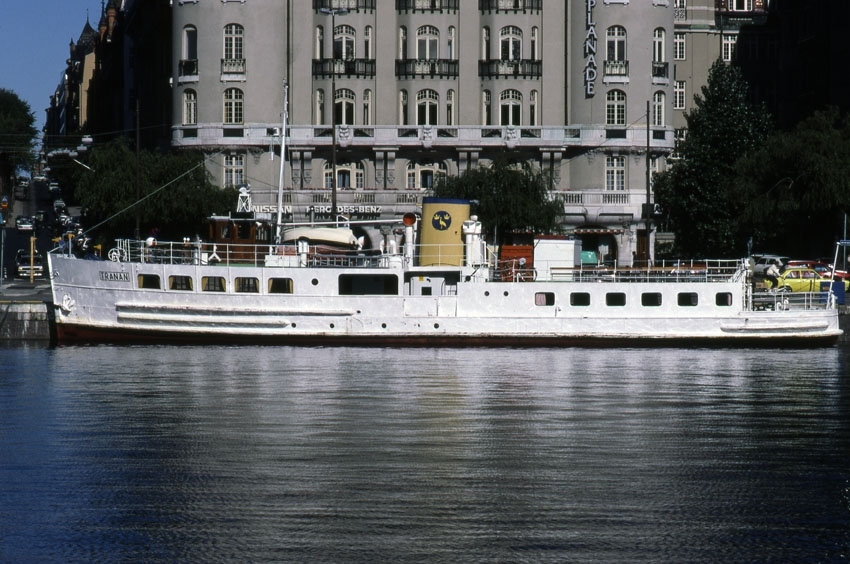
x: 174, y: 195
x: 698, y: 191
x: 17, y: 136
x: 507, y: 198
x: 794, y: 190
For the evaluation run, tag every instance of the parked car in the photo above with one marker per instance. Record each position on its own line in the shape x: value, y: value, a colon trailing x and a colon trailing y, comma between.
x: 823, y: 268
x: 802, y: 279
x: 763, y: 262
x: 26, y: 263
x: 24, y: 224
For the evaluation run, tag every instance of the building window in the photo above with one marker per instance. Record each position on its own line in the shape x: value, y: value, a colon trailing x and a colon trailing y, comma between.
x: 233, y: 106
x: 367, y: 42
x: 320, y: 107
x: 679, y: 95
x: 615, y: 173
x: 486, y: 110
x: 679, y: 52
x: 234, y: 170
x: 450, y: 107
x: 427, y: 103
x: 510, y: 107
x: 402, y: 43
x: 535, y: 43
x: 658, y: 100
x: 422, y: 176
x: 532, y: 108
x: 190, y: 43
x: 680, y: 4
x: 344, y: 106
x: 658, y: 41
x: 616, y: 44
x: 485, y: 43
x: 511, y: 43
x: 367, y: 107
x: 615, y: 108
x: 741, y: 5
x: 402, y: 108
x: 427, y: 43
x: 729, y: 47
x: 190, y: 107
x: 452, y: 55
x: 320, y: 42
x: 344, y: 174
x: 234, y: 42
x: 344, y: 37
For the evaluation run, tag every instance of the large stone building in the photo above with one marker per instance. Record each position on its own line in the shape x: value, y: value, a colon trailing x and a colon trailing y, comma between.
x: 416, y: 89
x: 592, y: 91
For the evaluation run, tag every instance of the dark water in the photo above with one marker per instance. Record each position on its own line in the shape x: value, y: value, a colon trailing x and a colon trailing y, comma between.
x: 209, y: 454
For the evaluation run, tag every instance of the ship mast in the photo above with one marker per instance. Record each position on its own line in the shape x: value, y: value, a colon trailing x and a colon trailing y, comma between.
x: 279, y: 223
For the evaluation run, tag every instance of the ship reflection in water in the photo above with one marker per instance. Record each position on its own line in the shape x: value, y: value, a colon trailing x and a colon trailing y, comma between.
x: 204, y: 454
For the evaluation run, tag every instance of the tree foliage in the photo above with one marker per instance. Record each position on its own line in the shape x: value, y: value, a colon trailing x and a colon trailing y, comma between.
x: 697, y: 192
x: 17, y: 135
x: 794, y: 190
x: 507, y: 198
x: 174, y: 193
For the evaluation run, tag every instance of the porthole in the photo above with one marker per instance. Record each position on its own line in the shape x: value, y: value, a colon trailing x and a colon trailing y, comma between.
x: 315, y: 281
x: 383, y: 325
x: 332, y: 325
x: 506, y: 294
x: 487, y: 293
x: 436, y: 326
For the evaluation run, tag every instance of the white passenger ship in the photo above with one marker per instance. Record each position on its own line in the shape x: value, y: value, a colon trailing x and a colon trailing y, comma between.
x: 429, y: 282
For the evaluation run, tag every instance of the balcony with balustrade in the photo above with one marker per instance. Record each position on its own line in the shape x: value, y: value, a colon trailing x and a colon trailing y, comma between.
x: 358, y: 68
x: 519, y: 68
x: 434, y: 68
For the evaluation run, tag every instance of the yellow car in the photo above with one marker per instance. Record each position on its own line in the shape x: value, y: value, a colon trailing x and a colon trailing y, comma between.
x: 800, y: 279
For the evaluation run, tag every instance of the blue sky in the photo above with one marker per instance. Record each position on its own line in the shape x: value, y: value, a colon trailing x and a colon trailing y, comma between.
x: 34, y: 39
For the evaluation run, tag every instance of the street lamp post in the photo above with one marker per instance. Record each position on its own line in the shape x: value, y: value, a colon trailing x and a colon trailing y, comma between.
x: 333, y: 13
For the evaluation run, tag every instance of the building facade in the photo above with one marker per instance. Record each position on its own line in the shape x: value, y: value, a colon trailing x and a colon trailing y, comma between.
x: 393, y: 94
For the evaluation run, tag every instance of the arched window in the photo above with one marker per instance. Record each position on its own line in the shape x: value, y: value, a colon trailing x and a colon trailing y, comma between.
x: 320, y: 107
x: 658, y: 45
x: 510, y: 38
x: 427, y: 102
x: 658, y: 101
x: 485, y: 43
x: 532, y: 108
x: 422, y: 176
x: 402, y: 43
x: 486, y: 109
x: 452, y: 54
x: 344, y: 37
x: 320, y: 42
x: 616, y: 43
x: 427, y: 43
x: 367, y: 43
x: 234, y: 111
x: 190, y: 107
x: 344, y: 106
x: 615, y: 108
x: 535, y: 43
x: 450, y: 107
x: 234, y: 42
x: 402, y: 108
x: 190, y: 43
x: 367, y: 107
x: 510, y: 107
x: 348, y: 175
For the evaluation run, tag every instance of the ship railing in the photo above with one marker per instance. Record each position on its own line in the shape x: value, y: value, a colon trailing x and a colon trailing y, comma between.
x: 782, y: 300
x: 519, y: 270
